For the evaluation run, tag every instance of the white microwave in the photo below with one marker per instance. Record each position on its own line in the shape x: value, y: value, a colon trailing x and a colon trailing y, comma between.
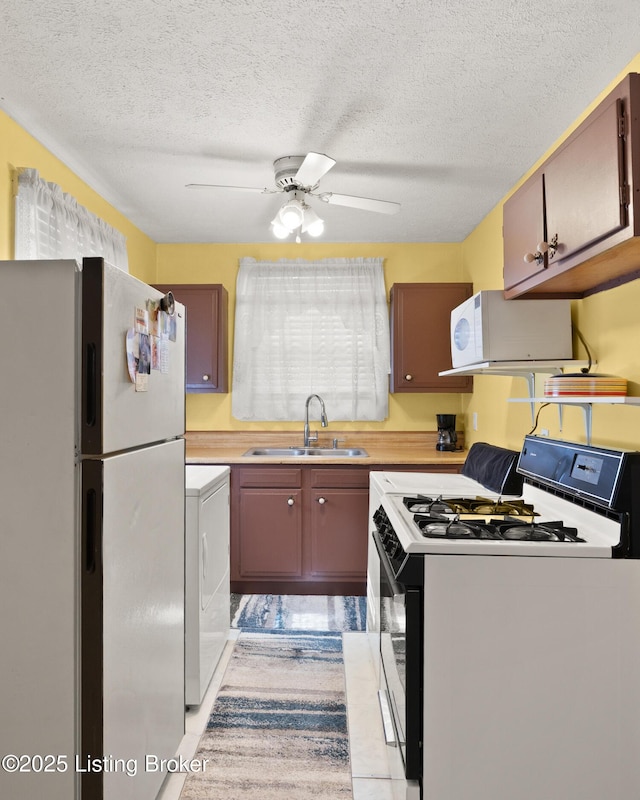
x: 486, y: 327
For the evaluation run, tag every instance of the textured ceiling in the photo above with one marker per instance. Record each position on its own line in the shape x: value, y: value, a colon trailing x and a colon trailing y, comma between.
x: 440, y: 105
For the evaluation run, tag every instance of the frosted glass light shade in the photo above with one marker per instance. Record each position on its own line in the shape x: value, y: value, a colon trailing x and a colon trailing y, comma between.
x: 291, y: 214
x: 279, y: 231
x: 312, y: 225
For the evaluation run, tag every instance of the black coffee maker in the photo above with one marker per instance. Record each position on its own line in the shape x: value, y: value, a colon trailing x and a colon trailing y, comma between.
x: 447, y: 436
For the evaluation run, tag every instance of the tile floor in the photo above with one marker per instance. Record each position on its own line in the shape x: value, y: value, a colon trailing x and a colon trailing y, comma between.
x: 370, y: 767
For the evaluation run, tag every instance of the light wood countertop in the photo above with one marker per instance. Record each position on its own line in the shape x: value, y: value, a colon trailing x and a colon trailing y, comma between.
x: 393, y: 448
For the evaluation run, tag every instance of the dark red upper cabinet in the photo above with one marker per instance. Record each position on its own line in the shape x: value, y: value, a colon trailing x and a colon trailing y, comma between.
x: 420, y: 336
x: 580, y: 205
x: 207, y: 335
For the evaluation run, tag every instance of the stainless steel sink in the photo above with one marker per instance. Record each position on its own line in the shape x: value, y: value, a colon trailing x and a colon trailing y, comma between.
x: 297, y: 452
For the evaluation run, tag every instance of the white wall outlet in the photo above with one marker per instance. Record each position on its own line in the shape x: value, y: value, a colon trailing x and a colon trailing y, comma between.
x: 475, y: 420
x: 544, y: 432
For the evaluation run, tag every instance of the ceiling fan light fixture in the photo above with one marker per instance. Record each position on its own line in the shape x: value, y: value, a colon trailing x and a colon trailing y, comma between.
x: 299, y: 177
x: 291, y: 215
x: 279, y: 230
x: 317, y: 228
x: 312, y: 224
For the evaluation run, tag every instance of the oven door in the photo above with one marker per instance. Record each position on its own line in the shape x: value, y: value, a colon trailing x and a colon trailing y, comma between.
x: 401, y: 664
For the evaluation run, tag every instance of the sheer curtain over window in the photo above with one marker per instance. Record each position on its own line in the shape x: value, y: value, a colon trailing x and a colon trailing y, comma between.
x: 305, y: 327
x: 52, y: 224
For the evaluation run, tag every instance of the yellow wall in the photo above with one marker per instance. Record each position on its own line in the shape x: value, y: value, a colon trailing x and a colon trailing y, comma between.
x: 19, y: 149
x: 609, y: 321
x: 218, y: 263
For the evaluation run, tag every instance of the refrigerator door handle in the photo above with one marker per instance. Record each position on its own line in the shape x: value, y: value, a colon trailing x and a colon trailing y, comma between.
x: 91, y: 625
x: 92, y: 479
x: 91, y: 364
x: 90, y: 531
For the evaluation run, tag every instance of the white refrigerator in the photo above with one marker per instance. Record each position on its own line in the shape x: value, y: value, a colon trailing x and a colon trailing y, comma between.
x: 91, y: 532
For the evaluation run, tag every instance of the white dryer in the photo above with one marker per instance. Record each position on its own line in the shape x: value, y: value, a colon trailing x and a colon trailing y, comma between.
x: 207, y: 588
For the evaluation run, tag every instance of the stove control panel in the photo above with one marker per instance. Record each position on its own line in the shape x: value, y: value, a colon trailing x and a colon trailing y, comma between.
x: 598, y: 474
x: 407, y: 567
x: 388, y: 536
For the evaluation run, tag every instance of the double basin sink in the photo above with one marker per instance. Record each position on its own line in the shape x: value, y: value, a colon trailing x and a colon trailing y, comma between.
x: 298, y: 452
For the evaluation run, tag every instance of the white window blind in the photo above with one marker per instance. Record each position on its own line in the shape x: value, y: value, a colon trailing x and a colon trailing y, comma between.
x: 52, y: 224
x: 305, y: 327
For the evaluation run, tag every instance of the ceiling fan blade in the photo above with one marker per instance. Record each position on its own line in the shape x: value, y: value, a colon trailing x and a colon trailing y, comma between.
x: 364, y: 203
x: 235, y: 188
x: 314, y: 167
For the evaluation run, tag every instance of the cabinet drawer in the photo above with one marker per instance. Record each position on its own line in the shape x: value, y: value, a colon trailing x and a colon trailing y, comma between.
x: 339, y: 478
x: 265, y: 477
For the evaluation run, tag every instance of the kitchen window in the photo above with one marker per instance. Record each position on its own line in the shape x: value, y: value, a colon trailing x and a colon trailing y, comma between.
x: 305, y: 327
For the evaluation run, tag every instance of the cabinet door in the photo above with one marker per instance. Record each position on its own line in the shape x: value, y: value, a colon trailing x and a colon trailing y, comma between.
x: 589, y: 187
x: 338, y: 532
x: 522, y: 230
x: 270, y: 533
x: 584, y: 184
x: 206, y: 306
x: 421, y: 339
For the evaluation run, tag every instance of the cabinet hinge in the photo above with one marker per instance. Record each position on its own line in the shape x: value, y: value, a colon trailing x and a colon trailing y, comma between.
x: 624, y: 195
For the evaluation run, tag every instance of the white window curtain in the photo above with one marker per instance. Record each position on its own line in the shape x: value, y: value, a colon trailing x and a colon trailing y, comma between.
x: 304, y: 328
x: 52, y: 224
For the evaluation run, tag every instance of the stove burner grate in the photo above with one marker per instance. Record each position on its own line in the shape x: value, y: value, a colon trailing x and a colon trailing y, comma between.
x: 437, y: 526
x: 515, y: 530
x: 464, y: 505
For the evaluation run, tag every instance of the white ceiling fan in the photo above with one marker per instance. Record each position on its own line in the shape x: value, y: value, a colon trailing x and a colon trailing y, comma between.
x: 299, y: 177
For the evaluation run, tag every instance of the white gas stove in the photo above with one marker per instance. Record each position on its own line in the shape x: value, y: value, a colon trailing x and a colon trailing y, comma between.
x: 509, y: 654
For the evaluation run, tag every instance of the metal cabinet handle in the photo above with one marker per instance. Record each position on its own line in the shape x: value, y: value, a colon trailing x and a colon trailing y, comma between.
x: 206, y: 377
x: 322, y: 500
x: 408, y: 377
x: 290, y: 501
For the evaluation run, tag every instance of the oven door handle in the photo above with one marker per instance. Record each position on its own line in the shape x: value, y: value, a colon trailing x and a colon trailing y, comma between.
x: 396, y: 588
x: 387, y: 720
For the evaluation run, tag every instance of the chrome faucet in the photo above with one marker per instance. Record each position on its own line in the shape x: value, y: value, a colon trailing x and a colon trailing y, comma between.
x: 323, y: 419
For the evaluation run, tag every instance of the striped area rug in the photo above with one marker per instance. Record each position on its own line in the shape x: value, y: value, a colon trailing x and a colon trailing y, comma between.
x: 298, y: 612
x: 278, y: 728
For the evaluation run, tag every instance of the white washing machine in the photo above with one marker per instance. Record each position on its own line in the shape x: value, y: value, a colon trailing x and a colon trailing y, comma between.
x: 207, y: 588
